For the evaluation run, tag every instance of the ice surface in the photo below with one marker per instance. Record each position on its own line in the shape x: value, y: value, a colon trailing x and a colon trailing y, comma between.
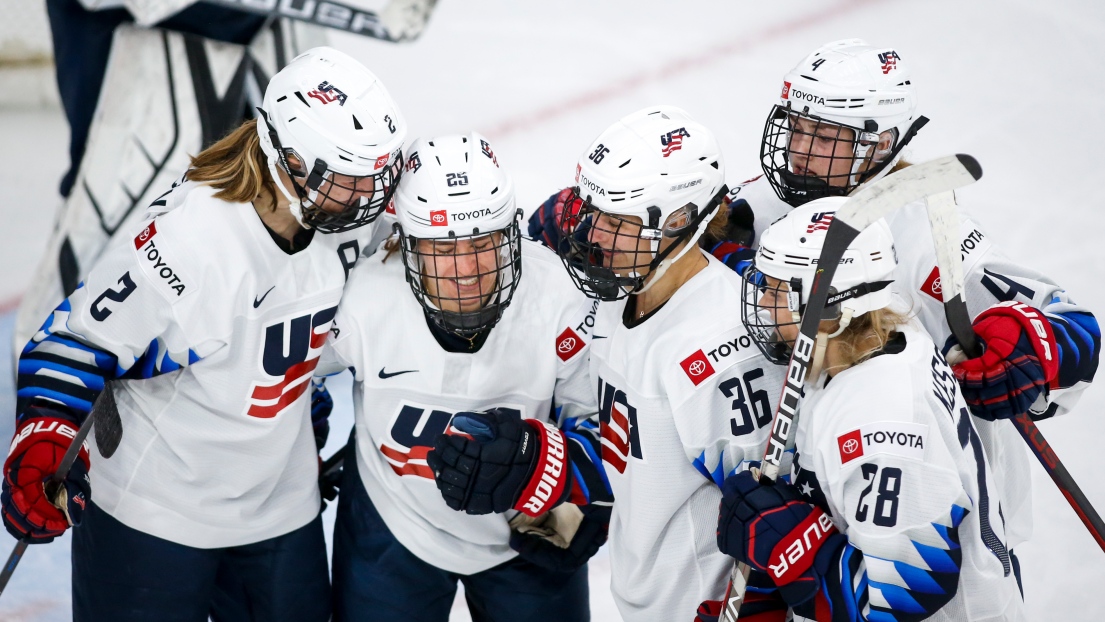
x: 1018, y: 84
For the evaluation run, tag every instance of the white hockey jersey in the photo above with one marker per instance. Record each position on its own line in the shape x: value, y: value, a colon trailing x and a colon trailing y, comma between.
x: 685, y: 399
x: 407, y: 389
x: 989, y: 278
x: 889, y: 450
x: 215, y: 332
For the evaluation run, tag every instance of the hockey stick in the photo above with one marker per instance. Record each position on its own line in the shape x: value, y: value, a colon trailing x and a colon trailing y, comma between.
x: 54, y: 487
x: 944, y: 221
x: 867, y: 205
x: 109, y: 428
x: 400, y: 20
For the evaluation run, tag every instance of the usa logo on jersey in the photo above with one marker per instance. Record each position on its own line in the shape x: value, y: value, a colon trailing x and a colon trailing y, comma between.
x: 618, y: 431
x: 305, y: 335
x: 412, y: 436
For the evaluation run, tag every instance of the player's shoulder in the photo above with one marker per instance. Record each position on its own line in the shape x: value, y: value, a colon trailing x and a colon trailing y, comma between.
x: 545, y: 286
x: 880, y: 405
x: 375, y: 278
x: 705, y: 336
x: 758, y: 192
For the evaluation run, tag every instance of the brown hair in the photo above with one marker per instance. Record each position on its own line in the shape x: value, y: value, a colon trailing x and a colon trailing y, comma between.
x: 235, y: 166
x: 718, y: 227
x: 866, y: 335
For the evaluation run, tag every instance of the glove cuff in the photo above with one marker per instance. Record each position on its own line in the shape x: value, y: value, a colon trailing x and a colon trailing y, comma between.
x: 1036, y: 328
x: 549, y: 483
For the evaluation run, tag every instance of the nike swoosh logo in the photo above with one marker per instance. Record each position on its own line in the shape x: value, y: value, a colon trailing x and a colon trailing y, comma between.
x: 384, y: 375
x: 257, y: 301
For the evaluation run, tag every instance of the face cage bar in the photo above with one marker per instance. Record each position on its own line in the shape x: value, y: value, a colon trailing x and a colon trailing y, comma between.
x: 361, y: 208
x: 492, y: 301
x: 592, y: 266
x: 776, y: 154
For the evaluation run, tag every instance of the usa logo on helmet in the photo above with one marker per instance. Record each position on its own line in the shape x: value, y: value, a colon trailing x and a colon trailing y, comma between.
x: 327, y: 93
x: 889, y: 61
x: 673, y: 141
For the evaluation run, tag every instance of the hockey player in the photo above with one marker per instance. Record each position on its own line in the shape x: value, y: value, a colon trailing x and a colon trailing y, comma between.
x: 479, y: 319
x: 892, y: 512
x: 683, y: 395
x: 208, y: 322
x: 814, y: 146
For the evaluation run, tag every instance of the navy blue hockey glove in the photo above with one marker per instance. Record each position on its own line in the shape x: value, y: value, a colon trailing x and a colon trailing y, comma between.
x: 32, y: 509
x: 774, y: 530
x: 321, y: 405
x: 762, y: 603
x: 1020, y: 360
x: 588, y: 539
x: 499, y: 462
x: 544, y: 223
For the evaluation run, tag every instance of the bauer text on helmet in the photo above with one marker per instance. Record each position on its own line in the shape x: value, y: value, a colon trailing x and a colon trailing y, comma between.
x: 844, y: 115
x: 459, y: 232
x: 645, y: 191
x: 778, y: 283
x: 332, y: 129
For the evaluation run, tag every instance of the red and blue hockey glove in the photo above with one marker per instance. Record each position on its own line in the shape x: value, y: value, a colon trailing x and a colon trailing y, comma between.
x: 501, y: 462
x: 1020, y: 360
x: 321, y: 405
x: 761, y: 603
x: 774, y: 530
x: 544, y: 223
x: 41, y: 439
x: 587, y: 540
x: 737, y: 257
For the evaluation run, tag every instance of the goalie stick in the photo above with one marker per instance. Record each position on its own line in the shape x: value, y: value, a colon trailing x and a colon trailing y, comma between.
x: 399, y: 20
x: 944, y: 221
x: 104, y: 403
x: 868, y: 204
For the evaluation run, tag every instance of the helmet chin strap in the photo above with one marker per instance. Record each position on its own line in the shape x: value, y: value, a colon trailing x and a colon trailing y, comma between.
x: 658, y: 271
x: 295, y: 204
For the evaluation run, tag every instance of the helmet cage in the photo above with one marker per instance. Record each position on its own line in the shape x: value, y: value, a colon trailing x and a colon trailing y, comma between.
x: 760, y: 320
x: 505, y: 247
x: 592, y: 265
x: 776, y: 152
x: 368, y: 194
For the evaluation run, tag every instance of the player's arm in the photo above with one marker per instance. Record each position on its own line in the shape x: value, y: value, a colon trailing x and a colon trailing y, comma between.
x: 120, y: 323
x: 1042, y: 347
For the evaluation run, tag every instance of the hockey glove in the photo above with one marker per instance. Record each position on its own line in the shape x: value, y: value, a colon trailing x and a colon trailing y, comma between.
x: 737, y: 257
x: 30, y: 511
x: 500, y: 462
x: 544, y: 224
x: 1019, y: 361
x: 761, y: 603
x: 321, y: 405
x: 774, y: 530
x: 588, y: 538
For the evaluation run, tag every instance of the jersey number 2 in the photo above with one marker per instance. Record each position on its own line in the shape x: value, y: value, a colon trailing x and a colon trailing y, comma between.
x: 100, y: 313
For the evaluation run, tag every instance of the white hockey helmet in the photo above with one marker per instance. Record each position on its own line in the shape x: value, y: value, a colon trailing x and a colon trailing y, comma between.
x: 844, y: 84
x: 632, y: 179
x: 788, y: 253
x: 344, y: 135
x: 455, y: 197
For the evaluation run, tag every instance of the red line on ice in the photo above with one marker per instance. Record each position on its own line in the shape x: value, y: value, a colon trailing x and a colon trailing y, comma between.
x: 678, y: 66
